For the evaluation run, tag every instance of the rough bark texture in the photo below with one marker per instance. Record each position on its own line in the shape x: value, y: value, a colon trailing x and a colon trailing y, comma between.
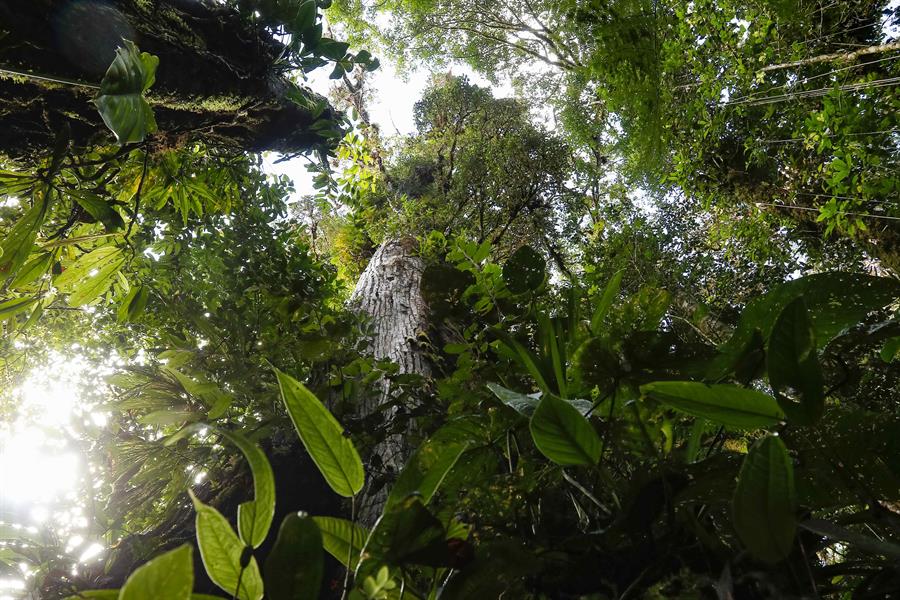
x: 217, y: 78
x: 388, y: 293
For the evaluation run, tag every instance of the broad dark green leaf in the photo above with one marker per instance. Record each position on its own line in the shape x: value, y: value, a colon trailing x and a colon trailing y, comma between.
x: 332, y: 49
x: 407, y: 533
x: 121, y: 100
x: 342, y: 539
x: 169, y: 576
x: 293, y: 569
x: 730, y: 405
x: 98, y: 208
x: 524, y: 271
x: 793, y: 365
x: 427, y: 467
x: 255, y: 516
x: 133, y: 305
x: 323, y: 437
x: 221, y: 551
x: 562, y: 434
x: 765, y: 502
x: 306, y: 16
x: 834, y: 301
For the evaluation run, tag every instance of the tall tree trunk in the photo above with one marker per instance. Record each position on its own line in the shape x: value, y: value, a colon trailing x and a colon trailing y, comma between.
x: 388, y: 293
x: 217, y: 79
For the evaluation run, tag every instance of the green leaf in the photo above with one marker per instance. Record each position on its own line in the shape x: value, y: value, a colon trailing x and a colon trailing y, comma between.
x: 834, y: 301
x: 342, y: 539
x: 255, y: 516
x: 98, y: 208
x: 91, y: 275
x: 322, y: 435
x: 606, y: 301
x: 121, y: 101
x: 427, y: 467
x: 294, y: 567
x: 221, y: 551
x: 33, y: 269
x: 170, y: 576
x: 521, y: 403
x: 524, y: 271
x: 16, y: 247
x: 162, y: 418
x: 891, y: 350
x: 793, y: 365
x: 859, y: 541
x: 564, y: 435
x: 407, y: 533
x: 133, y: 305
x: 306, y: 16
x: 332, y: 49
x: 765, y: 503
x: 730, y: 405
x: 11, y: 308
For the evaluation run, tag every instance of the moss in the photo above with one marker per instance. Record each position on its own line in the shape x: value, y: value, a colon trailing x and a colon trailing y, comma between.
x: 208, y: 104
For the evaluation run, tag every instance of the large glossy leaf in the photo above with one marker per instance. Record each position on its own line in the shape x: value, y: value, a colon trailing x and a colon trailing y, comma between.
x: 322, y: 435
x: 170, y: 576
x: 17, y: 244
x: 255, y: 516
x: 524, y: 271
x: 294, y: 568
x: 121, y: 100
x: 793, y: 365
x: 564, y: 435
x: 91, y: 275
x: 221, y: 551
x: 730, y: 405
x: 834, y: 301
x: 765, y: 501
x: 427, y: 467
x: 342, y: 539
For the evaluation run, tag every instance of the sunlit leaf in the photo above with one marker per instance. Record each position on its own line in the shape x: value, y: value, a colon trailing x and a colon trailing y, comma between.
x: 170, y: 576
x: 221, y: 551
x: 323, y: 437
x: 342, y: 539
x: 255, y: 516
x: 730, y: 405
x: 121, y: 100
x: 16, y: 247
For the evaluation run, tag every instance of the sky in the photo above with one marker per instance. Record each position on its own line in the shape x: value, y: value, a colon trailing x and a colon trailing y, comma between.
x: 393, y: 97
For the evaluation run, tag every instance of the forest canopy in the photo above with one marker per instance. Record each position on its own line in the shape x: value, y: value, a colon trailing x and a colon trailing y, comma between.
x: 618, y: 317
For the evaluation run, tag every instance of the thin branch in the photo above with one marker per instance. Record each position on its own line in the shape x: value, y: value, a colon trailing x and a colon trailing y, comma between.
x: 833, y: 57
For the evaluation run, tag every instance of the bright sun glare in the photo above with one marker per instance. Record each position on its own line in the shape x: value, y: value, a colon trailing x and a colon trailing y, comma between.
x: 44, y: 464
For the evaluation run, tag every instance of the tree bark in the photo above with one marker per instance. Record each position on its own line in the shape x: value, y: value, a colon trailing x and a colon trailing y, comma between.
x: 388, y: 293
x: 217, y: 79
